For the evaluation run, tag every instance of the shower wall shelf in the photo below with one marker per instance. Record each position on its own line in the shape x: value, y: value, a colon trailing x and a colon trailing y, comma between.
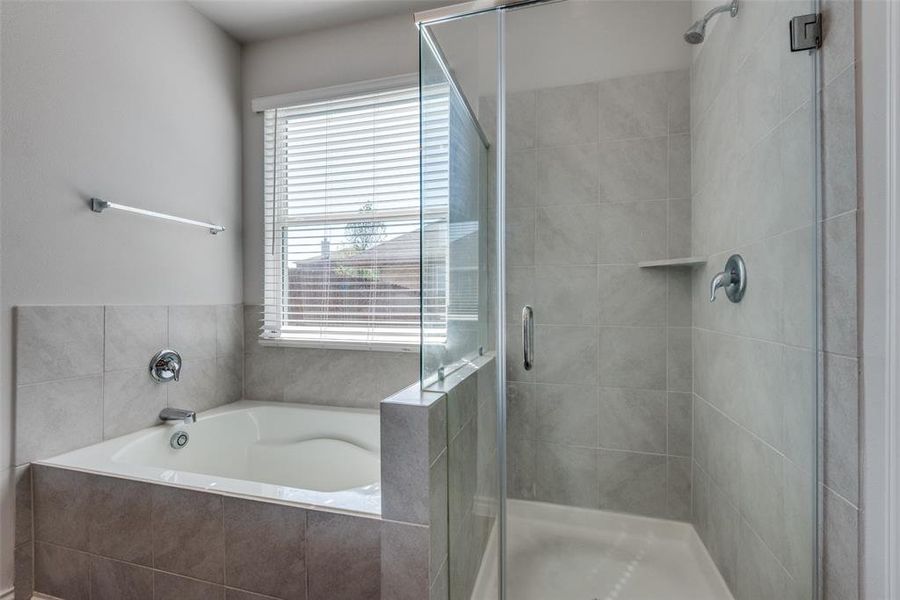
x: 98, y: 206
x: 690, y: 261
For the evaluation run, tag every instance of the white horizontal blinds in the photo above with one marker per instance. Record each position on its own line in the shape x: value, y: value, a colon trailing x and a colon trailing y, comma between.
x: 342, y: 219
x: 436, y: 210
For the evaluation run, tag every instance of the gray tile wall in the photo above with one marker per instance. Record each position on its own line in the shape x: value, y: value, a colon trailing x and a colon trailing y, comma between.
x: 81, y: 377
x: 353, y: 378
x: 94, y: 540
x: 752, y: 191
x: 439, y: 469
x: 598, y: 179
x: 81, y: 371
x: 414, y: 488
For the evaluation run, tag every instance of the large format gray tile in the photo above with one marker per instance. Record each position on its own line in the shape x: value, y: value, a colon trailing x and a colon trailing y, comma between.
x: 715, y: 449
x: 520, y: 236
x: 188, y: 533
x: 234, y: 594
x: 264, y: 374
x: 101, y: 515
x: 520, y: 468
x: 192, y: 331
x: 343, y: 557
x: 633, y: 420
x: 633, y: 170
x: 229, y: 329
x: 840, y: 427
x: 800, y: 516
x: 133, y: 335
x: 759, y: 573
x: 439, y: 527
x: 762, y: 491
x: 519, y: 291
x: 633, y: 357
x: 520, y: 119
x: 565, y: 235
x: 172, y: 587
x: 24, y: 503
x: 405, y: 462
x: 630, y: 232
x: 629, y: 295
x: 680, y: 166
x: 680, y: 417
x: 565, y: 295
x: 837, y: 26
x: 678, y: 85
x: 131, y: 401
x: 114, y: 580
x: 462, y: 400
x: 679, y: 359
x: 679, y: 298
x: 722, y: 529
x: 567, y: 115
x: 566, y: 175
x: 632, y: 482
x: 634, y: 106
x: 565, y: 354
x: 521, y: 179
x: 56, y: 417
x: 462, y: 480
x: 565, y: 414
x: 679, y: 229
x: 839, y: 285
x: 757, y: 97
x: 229, y: 378
x: 404, y: 561
x: 23, y: 578
x: 678, y: 488
x: 565, y: 475
x: 840, y: 543
x: 265, y: 548
x: 61, y: 572
x: 197, y: 386
x: 61, y: 503
x: 55, y: 342
x: 253, y: 316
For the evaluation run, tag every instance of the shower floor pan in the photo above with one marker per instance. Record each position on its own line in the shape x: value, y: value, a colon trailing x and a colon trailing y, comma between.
x: 564, y: 553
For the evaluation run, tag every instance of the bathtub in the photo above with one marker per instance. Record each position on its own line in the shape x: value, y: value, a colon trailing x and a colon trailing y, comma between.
x: 288, y: 453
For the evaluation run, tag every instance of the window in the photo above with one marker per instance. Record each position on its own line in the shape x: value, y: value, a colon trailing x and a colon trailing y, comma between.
x: 342, y: 220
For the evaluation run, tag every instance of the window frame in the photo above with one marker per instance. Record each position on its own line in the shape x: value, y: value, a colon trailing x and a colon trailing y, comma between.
x: 274, y: 302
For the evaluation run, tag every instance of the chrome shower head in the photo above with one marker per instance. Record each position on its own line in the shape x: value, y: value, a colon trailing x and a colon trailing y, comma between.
x: 696, y: 33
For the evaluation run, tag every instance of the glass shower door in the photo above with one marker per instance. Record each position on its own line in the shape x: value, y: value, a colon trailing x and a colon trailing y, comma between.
x: 663, y: 444
x: 651, y: 202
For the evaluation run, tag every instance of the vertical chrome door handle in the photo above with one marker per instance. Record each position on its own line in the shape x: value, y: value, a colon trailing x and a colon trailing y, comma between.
x: 528, y: 336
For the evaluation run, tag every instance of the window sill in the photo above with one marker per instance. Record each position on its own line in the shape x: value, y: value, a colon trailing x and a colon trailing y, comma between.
x: 337, y: 345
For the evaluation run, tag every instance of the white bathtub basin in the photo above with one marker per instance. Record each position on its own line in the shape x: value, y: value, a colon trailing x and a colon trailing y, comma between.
x: 296, y: 453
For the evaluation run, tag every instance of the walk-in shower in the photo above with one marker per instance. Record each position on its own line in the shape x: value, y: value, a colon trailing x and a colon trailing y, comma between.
x: 650, y: 443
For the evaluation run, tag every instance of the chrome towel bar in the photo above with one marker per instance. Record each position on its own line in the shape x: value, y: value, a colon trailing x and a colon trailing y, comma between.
x: 98, y: 206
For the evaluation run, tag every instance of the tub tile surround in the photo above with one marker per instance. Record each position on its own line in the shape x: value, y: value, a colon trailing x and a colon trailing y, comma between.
x: 753, y: 445
x: 604, y: 419
x: 443, y: 473
x: 201, y: 544
x: 81, y: 371
x: 81, y: 377
x: 349, y: 378
x: 93, y: 536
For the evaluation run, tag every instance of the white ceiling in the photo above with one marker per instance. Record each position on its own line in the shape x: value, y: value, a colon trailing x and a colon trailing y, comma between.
x: 255, y: 20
